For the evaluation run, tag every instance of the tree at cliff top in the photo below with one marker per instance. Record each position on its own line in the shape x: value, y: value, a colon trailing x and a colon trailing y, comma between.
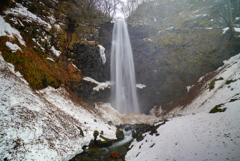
x: 228, y: 10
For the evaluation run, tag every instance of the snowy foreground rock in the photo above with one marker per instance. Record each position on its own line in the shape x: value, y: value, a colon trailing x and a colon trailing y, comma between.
x: 45, y: 125
x: 194, y: 133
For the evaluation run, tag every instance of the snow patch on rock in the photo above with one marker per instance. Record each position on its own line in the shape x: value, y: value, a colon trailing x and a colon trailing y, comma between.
x: 13, y: 47
x: 102, y: 53
x: 55, y: 52
x: 7, y: 30
x: 100, y: 85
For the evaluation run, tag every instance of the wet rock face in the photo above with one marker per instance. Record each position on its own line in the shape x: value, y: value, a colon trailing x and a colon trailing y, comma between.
x: 87, y: 59
x: 168, y: 62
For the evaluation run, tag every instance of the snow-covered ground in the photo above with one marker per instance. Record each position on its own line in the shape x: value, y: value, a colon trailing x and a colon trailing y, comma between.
x: 42, y: 125
x: 197, y: 134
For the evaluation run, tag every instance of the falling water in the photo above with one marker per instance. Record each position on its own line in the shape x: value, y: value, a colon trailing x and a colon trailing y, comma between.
x: 122, y: 70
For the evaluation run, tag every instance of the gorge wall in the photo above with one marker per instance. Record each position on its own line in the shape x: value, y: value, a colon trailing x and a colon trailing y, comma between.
x: 174, y: 43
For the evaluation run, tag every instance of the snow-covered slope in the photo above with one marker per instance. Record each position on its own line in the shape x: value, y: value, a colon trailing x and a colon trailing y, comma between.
x: 197, y: 134
x: 33, y: 128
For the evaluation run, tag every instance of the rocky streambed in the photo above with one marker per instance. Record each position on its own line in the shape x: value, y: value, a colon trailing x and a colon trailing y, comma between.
x: 103, y: 149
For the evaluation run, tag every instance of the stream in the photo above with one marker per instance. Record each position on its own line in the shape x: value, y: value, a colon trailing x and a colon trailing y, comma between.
x: 120, y: 148
x: 97, y: 153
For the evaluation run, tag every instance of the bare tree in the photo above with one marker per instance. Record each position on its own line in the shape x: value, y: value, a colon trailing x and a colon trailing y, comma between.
x: 128, y: 7
x: 108, y: 7
x: 229, y: 10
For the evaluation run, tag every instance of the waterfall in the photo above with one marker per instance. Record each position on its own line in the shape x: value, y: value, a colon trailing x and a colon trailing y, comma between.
x: 123, y: 91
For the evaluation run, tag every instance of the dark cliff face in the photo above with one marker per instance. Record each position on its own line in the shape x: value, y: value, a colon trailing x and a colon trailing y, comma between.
x: 86, y: 56
x: 88, y: 60
x: 166, y: 69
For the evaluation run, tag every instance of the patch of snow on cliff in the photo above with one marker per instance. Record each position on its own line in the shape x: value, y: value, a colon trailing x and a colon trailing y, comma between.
x: 227, y: 28
x: 102, y: 53
x: 7, y: 30
x: 100, y: 85
x: 48, y: 58
x: 76, y: 67
x: 189, y: 87
x: 140, y: 86
x: 38, y: 44
x: 21, y: 10
x: 13, y: 47
x: 55, y: 52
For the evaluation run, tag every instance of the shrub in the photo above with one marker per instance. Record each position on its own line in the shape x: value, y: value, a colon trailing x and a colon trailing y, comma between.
x: 212, y: 84
x: 218, y: 108
x: 95, y: 134
x: 230, y: 81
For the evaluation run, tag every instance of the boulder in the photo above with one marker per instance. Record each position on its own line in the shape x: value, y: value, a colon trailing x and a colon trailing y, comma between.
x: 114, y: 155
x: 119, y: 135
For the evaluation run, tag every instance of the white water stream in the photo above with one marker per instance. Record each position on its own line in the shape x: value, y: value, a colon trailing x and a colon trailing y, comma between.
x: 124, y: 96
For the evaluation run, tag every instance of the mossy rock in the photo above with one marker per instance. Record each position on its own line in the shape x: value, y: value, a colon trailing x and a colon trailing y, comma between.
x: 105, y: 143
x: 134, y: 134
x: 119, y: 135
x: 218, y: 109
x: 139, y: 137
x: 91, y: 144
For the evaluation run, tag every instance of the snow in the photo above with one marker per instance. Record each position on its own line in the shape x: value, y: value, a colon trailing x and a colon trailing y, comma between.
x: 76, y: 67
x: 23, y: 11
x: 170, y: 28
x: 189, y: 87
x: 102, y: 54
x: 48, y: 58
x: 209, y: 28
x: 227, y: 28
x: 38, y: 44
x: 42, y: 125
x: 55, y: 52
x: 100, y: 85
x: 13, y: 47
x: 196, y: 134
x: 195, y: 137
x: 237, y: 29
x: 200, y: 15
x: 7, y: 30
x: 140, y: 86
x: 93, y: 122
